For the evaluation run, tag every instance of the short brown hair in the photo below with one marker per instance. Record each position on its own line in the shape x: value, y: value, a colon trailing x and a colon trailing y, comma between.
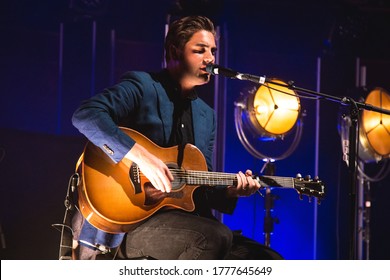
x: 181, y: 31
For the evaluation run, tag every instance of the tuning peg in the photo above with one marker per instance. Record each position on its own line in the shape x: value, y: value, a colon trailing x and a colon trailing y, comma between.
x: 298, y: 176
x: 316, y: 179
x: 307, y: 178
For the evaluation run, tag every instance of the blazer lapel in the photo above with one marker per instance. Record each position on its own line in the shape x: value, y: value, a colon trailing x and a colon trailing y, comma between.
x: 165, y: 110
x: 200, y: 122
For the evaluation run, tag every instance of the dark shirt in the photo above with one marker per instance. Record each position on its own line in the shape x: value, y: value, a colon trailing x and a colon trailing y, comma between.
x: 182, y: 129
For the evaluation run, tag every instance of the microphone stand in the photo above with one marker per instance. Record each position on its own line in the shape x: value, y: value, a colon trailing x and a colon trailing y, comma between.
x: 354, y: 108
x: 269, y: 220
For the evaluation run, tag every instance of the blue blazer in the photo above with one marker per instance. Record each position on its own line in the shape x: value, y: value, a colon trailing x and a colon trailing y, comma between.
x: 140, y: 102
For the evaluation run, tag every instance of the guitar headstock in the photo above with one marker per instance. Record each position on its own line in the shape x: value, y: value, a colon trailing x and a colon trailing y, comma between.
x: 310, y: 187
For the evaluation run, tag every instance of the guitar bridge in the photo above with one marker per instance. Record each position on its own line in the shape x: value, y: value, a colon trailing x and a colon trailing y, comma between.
x: 134, y: 175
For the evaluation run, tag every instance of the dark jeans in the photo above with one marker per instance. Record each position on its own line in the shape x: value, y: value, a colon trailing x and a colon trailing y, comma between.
x: 179, y: 235
x: 176, y: 234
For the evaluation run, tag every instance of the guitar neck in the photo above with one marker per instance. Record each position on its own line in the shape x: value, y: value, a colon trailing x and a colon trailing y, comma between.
x: 193, y: 177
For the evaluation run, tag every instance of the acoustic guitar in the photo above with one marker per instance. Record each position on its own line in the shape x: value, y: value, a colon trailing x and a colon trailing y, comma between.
x: 114, y: 197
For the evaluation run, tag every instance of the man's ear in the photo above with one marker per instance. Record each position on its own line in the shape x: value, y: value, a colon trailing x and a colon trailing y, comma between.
x: 175, y: 52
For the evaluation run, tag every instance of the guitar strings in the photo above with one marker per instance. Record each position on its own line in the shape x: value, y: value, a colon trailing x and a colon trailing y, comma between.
x: 196, y: 177
x: 226, y: 176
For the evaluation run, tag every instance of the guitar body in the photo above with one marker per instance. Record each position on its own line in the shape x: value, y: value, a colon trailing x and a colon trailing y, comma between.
x: 114, y: 197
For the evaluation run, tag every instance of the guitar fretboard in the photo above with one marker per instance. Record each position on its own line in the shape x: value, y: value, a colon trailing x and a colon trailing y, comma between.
x: 193, y: 177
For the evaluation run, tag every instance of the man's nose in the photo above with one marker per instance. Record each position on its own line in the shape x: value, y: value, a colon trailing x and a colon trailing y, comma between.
x: 209, y: 59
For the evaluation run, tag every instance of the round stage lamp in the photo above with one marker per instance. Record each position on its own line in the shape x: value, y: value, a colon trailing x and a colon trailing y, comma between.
x: 273, y: 110
x: 374, y: 132
x: 269, y: 112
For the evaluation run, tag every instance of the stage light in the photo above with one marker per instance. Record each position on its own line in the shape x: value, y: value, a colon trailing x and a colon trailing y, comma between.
x: 273, y: 109
x: 374, y: 134
x: 268, y: 112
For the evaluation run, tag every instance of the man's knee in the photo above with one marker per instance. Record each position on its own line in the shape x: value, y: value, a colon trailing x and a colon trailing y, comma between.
x: 218, y: 239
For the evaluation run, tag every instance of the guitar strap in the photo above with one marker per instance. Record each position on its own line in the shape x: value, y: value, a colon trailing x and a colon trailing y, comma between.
x: 70, y: 202
x: 180, y: 154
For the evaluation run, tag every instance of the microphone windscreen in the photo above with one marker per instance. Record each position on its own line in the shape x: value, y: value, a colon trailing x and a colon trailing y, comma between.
x: 210, y: 68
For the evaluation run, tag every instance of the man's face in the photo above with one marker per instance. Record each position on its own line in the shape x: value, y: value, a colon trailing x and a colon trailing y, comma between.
x: 198, y: 52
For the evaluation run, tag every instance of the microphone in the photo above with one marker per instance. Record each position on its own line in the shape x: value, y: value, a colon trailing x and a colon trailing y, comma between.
x: 215, y: 69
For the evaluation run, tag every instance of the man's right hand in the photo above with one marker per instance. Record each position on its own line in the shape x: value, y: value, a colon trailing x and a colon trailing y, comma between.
x: 152, y: 167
